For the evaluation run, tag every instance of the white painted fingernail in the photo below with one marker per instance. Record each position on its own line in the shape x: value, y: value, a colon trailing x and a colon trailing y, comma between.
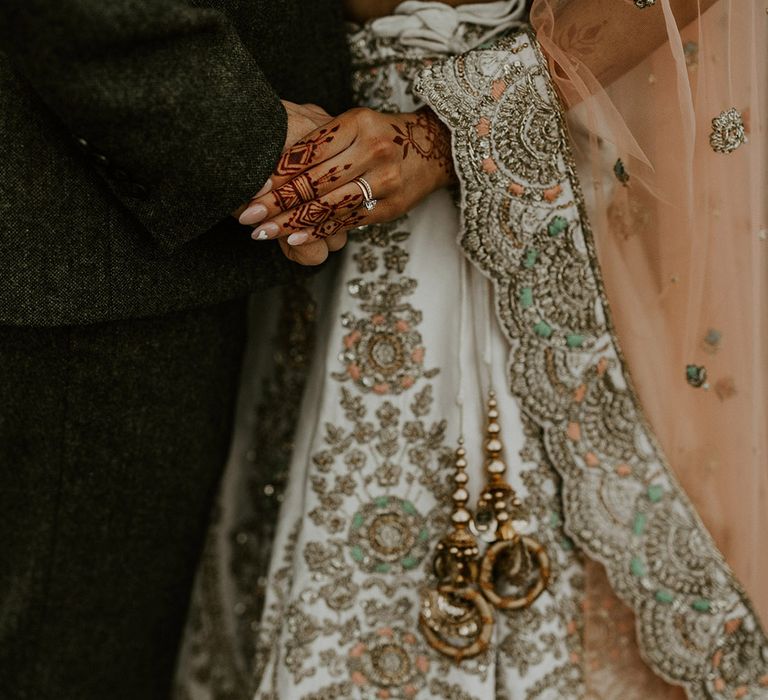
x: 298, y: 238
x: 268, y: 230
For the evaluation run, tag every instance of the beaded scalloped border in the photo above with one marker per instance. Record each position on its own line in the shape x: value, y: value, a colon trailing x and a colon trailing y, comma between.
x: 722, y: 651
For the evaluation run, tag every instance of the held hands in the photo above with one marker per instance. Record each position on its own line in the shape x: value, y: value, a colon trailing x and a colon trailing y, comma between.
x: 312, y: 199
x: 302, y: 119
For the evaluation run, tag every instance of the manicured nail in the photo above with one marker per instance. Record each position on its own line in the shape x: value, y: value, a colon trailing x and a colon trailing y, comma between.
x: 298, y: 238
x: 265, y: 232
x: 267, y: 187
x: 253, y: 214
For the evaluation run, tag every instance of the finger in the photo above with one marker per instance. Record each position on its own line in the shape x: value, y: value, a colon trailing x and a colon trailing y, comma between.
x: 317, y: 147
x: 311, y: 254
x: 334, y: 227
x: 328, y: 229
x: 317, y: 111
x: 304, y: 188
x: 337, y: 241
x: 326, y: 216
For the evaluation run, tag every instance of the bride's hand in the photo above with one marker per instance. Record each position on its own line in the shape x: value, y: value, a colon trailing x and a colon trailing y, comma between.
x: 403, y: 157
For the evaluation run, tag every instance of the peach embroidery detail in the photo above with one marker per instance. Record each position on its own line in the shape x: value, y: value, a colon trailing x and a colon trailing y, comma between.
x: 732, y: 625
x: 574, y: 431
x: 483, y: 127
x: 351, y: 339
x: 497, y: 89
x: 489, y: 165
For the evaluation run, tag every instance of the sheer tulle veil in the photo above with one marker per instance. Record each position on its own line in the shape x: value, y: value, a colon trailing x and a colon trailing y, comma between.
x: 667, y: 105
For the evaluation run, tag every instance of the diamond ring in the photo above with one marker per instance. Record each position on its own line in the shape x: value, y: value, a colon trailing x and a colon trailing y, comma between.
x: 368, y: 199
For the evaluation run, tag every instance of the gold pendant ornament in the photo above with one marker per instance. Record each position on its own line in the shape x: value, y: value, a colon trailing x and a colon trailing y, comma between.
x: 457, y: 616
x: 512, y: 559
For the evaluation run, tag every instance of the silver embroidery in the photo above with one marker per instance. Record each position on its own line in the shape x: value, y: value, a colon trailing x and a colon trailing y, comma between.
x: 622, y: 504
x: 728, y: 131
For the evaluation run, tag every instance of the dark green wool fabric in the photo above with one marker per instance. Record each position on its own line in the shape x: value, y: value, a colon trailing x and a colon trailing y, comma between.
x: 130, y: 130
x: 112, y: 440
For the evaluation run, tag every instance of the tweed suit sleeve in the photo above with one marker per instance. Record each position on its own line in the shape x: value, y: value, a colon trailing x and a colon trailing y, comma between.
x: 162, y: 96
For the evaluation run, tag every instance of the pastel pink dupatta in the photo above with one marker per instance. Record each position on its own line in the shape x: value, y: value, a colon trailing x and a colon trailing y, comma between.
x: 678, y: 207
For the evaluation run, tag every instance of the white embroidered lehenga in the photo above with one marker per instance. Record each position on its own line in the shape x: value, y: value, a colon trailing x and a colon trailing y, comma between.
x: 313, y: 582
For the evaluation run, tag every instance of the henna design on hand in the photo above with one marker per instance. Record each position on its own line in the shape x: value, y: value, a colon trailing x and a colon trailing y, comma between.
x: 304, y: 189
x: 323, y: 218
x: 333, y: 226
x: 296, y: 158
x: 427, y: 137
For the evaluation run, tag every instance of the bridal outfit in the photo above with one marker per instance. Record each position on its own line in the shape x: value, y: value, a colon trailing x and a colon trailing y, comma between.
x: 616, y: 385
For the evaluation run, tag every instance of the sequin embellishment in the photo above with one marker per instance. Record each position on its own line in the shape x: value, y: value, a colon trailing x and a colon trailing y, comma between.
x: 696, y: 375
x: 728, y: 131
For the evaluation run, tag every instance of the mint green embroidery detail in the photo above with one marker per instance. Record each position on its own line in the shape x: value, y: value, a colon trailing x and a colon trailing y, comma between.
x: 638, y: 526
x: 655, y: 493
x: 557, y: 226
x: 637, y: 567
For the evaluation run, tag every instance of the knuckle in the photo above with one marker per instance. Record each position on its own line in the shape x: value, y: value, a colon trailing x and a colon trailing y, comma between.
x: 380, y: 147
x: 364, y: 116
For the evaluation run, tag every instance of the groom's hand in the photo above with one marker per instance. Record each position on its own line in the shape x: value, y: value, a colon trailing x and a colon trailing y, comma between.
x: 314, y: 196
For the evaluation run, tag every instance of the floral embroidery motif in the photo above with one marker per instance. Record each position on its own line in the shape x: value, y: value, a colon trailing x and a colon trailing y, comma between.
x: 728, y: 132
x: 383, y: 351
x: 388, y: 535
x: 390, y: 660
x: 622, y: 504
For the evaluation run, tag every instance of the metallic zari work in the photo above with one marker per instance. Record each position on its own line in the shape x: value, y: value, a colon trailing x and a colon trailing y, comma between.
x: 456, y: 617
x: 342, y: 617
x: 524, y: 225
x: 728, y: 132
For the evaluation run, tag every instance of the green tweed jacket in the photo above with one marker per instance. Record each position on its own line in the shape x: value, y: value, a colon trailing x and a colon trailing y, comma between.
x: 130, y: 129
